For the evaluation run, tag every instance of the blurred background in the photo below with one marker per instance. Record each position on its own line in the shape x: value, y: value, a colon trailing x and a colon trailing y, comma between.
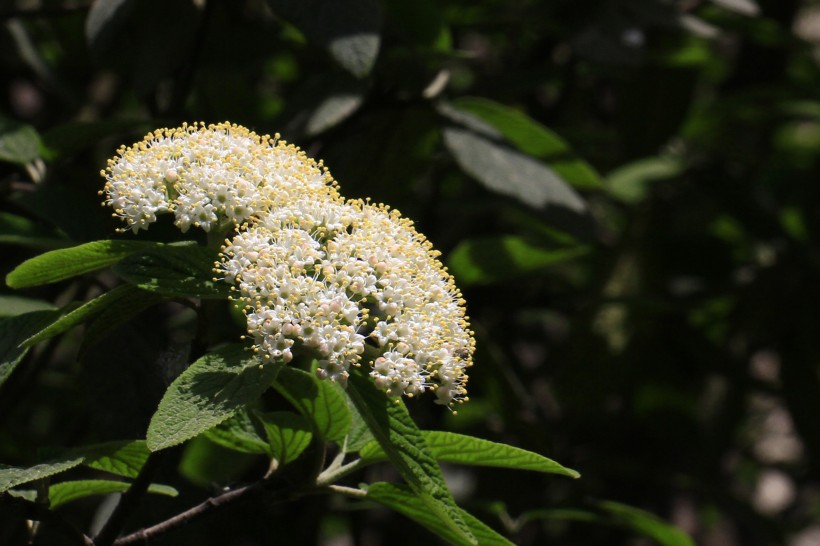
x: 626, y: 191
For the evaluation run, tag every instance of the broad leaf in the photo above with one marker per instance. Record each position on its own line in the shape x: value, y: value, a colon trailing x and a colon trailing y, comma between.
x: 359, y: 434
x: 15, y: 330
x: 121, y: 458
x: 403, y: 442
x: 81, y: 314
x: 19, y: 230
x: 11, y: 476
x: 65, y: 492
x: 174, y: 270
x: 450, y: 447
x: 533, y: 139
x: 65, y: 263
x: 496, y: 259
x: 19, y: 143
x: 238, y: 433
x: 211, y: 390
x: 131, y: 304
x: 349, y: 30
x: 288, y: 433
x: 404, y: 501
x: 318, y: 400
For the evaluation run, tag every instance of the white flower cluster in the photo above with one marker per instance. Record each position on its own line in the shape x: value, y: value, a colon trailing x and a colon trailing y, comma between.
x: 349, y: 283
x: 208, y: 176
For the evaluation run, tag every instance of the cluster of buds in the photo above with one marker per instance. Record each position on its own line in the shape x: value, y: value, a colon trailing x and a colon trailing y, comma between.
x: 347, y: 282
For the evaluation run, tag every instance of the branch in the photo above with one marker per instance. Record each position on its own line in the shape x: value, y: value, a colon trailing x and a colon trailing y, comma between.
x: 39, y: 512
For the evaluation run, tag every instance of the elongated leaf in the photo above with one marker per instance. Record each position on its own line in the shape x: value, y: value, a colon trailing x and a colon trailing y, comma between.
x: 462, y: 449
x: 349, y: 30
x: 320, y: 401
x: 404, y: 501
x: 11, y: 476
x: 65, y: 263
x: 19, y: 143
x: 174, y: 270
x: 533, y: 139
x: 124, y: 458
x: 497, y: 259
x: 118, y: 313
x: 630, y: 183
x: 403, y: 442
x: 65, y: 492
x: 15, y: 330
x: 238, y: 433
x: 211, y: 390
x: 12, y: 306
x: 288, y: 433
x: 18, y: 230
x: 81, y: 314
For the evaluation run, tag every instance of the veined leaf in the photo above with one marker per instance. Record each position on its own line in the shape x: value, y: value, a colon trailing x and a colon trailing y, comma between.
x: 121, y: 458
x: 496, y: 259
x: 462, y: 449
x: 288, y: 433
x: 65, y: 492
x: 404, y: 501
x: 80, y: 314
x: 403, y: 442
x: 19, y: 143
x: 359, y: 434
x: 320, y: 401
x: 174, y: 270
x: 15, y: 330
x: 65, y: 263
x: 211, y: 390
x: 238, y: 433
x: 533, y: 139
x: 11, y: 476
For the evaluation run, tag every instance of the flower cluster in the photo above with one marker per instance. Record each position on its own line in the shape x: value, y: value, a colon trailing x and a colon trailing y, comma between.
x: 347, y: 282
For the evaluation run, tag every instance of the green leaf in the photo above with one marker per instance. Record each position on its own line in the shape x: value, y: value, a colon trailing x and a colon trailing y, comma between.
x: 631, y: 182
x: 81, y: 314
x: 18, y: 230
x: 69, y: 262
x: 65, y: 492
x: 211, y: 390
x: 533, y: 139
x: 15, y: 330
x: 646, y: 524
x: 238, y: 433
x: 124, y: 458
x: 320, y: 401
x: 174, y: 270
x: 404, y: 501
x: 495, y: 259
x: 11, y: 476
x: 450, y: 447
x: 359, y: 434
x: 482, y: 153
x: 131, y: 304
x: 403, y: 442
x: 19, y: 143
x: 288, y: 433
x: 349, y: 30
x: 12, y: 306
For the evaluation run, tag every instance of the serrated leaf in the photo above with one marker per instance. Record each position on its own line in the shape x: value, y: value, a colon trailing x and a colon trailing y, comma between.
x: 211, y: 390
x: 238, y: 433
x: 81, y: 314
x: 533, y: 139
x: 65, y: 263
x: 19, y: 143
x: 404, y: 501
x: 11, y: 476
x: 15, y: 330
x: 349, y: 30
x: 403, y: 442
x: 65, y: 492
x: 18, y: 230
x: 318, y: 400
x: 496, y: 259
x: 288, y: 434
x: 507, y: 171
x: 124, y: 458
x: 455, y: 448
x: 174, y: 270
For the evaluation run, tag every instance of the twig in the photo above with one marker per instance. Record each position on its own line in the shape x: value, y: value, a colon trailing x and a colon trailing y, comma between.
x: 39, y: 512
x: 128, y: 502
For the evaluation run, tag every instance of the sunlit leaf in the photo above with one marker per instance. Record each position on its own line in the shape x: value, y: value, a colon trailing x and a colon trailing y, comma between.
x: 320, y: 401
x: 288, y: 433
x: 65, y: 492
